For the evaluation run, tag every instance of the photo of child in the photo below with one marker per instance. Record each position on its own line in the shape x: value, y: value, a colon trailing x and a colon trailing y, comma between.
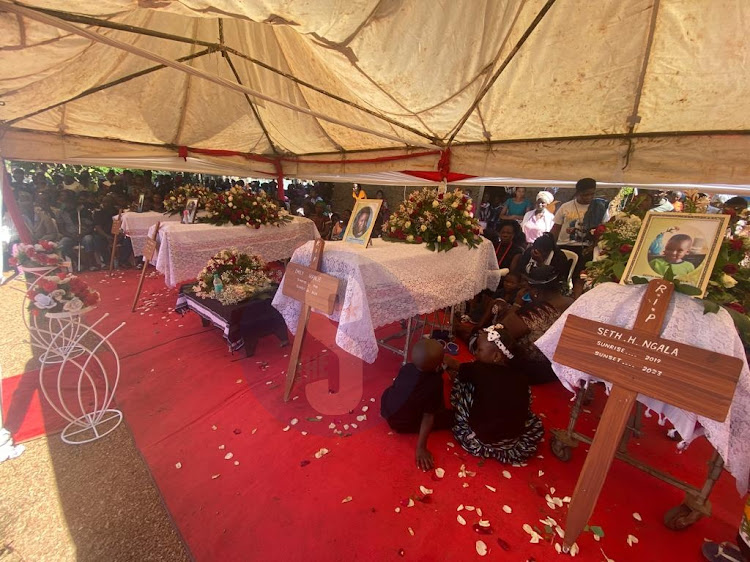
x: 676, y: 246
x: 673, y: 257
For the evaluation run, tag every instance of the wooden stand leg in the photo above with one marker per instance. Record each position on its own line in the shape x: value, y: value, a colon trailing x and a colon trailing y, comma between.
x: 598, y: 461
x: 112, y: 256
x: 140, y: 286
x: 291, y: 372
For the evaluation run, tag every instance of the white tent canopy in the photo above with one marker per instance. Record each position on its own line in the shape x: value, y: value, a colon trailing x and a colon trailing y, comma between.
x: 640, y: 92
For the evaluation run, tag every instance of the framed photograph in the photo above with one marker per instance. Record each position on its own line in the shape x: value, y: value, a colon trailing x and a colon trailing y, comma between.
x: 678, y: 246
x: 190, y: 209
x: 141, y: 200
x: 362, y: 221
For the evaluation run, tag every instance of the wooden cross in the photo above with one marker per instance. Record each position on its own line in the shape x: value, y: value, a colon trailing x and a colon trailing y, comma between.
x: 314, y: 290
x: 638, y: 361
x: 148, y: 254
x: 115, y: 231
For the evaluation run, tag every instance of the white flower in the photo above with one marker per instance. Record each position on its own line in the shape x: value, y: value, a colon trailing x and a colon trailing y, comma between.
x: 447, y: 224
x: 436, y: 203
x: 728, y: 281
x: 44, y: 302
x: 73, y: 305
x: 255, y: 203
x: 466, y: 213
x: 439, y: 238
x: 229, y: 198
x: 407, y: 224
x: 454, y: 204
x: 452, y: 239
x: 57, y: 294
x: 471, y: 215
x: 38, y: 247
x: 423, y: 227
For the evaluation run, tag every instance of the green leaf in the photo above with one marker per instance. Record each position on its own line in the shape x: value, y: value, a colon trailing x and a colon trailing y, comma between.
x: 638, y: 280
x: 598, y: 531
x: 689, y: 290
x: 669, y: 275
x: 618, y: 269
x: 710, y: 306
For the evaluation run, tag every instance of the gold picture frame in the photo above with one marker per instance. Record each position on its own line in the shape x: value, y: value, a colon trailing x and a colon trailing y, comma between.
x: 362, y: 221
x: 677, y: 246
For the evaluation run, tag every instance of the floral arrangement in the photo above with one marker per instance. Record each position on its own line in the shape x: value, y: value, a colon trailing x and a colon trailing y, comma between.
x: 443, y: 221
x: 728, y: 286
x: 61, y: 293
x: 238, y: 206
x: 42, y: 254
x: 176, y: 199
x: 242, y: 276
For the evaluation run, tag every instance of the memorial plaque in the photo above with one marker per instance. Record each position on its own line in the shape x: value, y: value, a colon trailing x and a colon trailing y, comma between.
x: 669, y: 371
x: 315, y: 289
x: 148, y: 249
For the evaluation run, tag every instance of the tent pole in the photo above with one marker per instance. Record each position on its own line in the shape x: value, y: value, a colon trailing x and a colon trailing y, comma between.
x: 10, y: 202
x: 280, y: 181
x: 187, y: 69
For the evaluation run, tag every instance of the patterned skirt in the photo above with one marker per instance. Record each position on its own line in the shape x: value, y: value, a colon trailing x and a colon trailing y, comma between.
x: 507, y: 451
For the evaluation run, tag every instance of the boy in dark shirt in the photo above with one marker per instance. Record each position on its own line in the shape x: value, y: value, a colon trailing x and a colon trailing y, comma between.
x: 414, y: 403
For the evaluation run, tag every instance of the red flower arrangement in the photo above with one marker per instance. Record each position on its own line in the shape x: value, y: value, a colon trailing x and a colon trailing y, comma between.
x: 61, y: 293
x: 238, y: 206
x: 42, y: 254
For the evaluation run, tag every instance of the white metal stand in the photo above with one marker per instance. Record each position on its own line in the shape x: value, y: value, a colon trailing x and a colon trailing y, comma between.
x: 88, y: 419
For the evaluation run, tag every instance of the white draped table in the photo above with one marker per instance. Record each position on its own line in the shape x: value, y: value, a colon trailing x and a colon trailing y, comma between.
x: 618, y: 305
x: 392, y: 281
x: 184, y: 249
x: 137, y: 226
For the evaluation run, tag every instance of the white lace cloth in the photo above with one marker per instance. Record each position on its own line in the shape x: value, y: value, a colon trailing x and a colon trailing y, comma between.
x: 137, y: 225
x: 184, y: 249
x: 392, y: 281
x: 618, y: 305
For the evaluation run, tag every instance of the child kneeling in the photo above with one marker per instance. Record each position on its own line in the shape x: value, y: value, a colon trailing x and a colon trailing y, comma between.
x: 492, y: 403
x: 414, y: 403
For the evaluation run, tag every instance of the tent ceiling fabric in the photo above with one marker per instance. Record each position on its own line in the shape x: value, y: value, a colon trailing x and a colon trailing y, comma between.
x: 559, y: 106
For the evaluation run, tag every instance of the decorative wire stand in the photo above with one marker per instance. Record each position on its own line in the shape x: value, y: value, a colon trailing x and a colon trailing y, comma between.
x: 62, y: 343
x: 89, y: 418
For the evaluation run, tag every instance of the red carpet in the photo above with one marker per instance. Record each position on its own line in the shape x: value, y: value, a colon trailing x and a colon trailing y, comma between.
x: 189, y: 402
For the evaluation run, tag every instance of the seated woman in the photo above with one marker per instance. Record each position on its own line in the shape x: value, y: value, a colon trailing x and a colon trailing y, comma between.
x: 511, y: 244
x: 527, y: 323
x: 544, y: 251
x: 491, y: 401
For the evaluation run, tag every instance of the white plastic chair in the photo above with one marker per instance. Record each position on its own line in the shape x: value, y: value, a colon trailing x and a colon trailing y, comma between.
x: 573, y: 259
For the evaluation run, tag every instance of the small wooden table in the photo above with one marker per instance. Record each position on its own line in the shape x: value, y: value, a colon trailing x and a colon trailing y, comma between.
x: 243, y: 324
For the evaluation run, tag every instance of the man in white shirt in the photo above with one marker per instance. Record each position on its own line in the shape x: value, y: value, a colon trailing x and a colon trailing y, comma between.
x: 575, y: 222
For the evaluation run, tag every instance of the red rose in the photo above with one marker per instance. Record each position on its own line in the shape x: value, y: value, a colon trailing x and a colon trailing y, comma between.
x: 418, y: 240
x: 62, y: 275
x: 13, y: 262
x: 730, y: 268
x: 599, y: 230
x: 31, y: 295
x: 626, y: 248
x: 440, y: 196
x: 736, y: 244
x: 257, y: 226
x: 736, y: 306
x: 450, y: 232
x: 455, y: 244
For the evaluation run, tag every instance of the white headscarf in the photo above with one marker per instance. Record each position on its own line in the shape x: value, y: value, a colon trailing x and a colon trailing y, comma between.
x: 545, y: 196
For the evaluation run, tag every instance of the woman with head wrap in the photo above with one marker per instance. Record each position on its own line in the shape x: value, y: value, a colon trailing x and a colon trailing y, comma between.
x: 528, y: 322
x: 540, y: 220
